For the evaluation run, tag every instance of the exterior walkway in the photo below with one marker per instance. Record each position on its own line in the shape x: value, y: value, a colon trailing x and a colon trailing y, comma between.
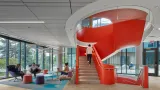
x: 154, y: 85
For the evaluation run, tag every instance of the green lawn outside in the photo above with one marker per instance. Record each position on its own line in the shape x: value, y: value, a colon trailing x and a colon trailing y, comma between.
x: 2, y: 74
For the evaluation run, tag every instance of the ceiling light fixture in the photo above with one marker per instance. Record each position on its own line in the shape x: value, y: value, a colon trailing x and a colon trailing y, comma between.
x: 20, y: 22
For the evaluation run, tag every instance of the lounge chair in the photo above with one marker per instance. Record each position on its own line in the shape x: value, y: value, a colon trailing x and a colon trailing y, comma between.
x: 11, y: 69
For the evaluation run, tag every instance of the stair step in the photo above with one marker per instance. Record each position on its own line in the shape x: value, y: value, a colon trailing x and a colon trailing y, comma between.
x: 87, y: 68
x: 88, y: 74
x: 83, y: 62
x: 89, y: 77
x: 87, y: 71
x: 89, y: 81
x: 86, y: 64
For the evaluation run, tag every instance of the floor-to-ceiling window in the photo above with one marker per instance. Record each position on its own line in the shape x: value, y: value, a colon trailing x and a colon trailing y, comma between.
x: 131, y: 61
x: 50, y: 59
x: 124, y: 61
x: 40, y: 56
x: 159, y: 58
x: 73, y: 57
x: 2, y: 57
x: 13, y: 52
x: 55, y: 61
x: 150, y: 56
x: 30, y: 54
x: 69, y: 54
x: 47, y: 59
x: 23, y: 55
x: 116, y: 61
x: 64, y: 57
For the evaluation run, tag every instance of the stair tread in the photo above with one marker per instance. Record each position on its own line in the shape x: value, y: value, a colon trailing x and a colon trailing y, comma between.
x: 87, y: 80
x: 88, y: 73
x: 88, y: 76
x: 87, y: 70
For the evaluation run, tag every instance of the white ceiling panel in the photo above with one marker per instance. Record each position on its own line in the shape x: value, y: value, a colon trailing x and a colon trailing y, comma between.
x: 15, y: 13
x: 54, y: 13
x: 10, y: 0
x: 55, y: 26
x: 51, y: 12
x: 61, y: 33
x: 23, y: 26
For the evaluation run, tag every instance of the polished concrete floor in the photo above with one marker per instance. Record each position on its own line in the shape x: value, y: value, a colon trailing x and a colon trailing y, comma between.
x: 154, y: 84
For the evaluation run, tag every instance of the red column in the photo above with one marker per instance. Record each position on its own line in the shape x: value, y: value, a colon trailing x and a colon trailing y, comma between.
x: 145, y: 78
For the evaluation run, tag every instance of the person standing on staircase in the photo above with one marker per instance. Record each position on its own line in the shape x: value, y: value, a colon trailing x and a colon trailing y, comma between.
x: 89, y: 53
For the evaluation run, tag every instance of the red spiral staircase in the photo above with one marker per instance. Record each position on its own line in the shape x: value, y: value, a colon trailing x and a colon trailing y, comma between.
x: 126, y: 30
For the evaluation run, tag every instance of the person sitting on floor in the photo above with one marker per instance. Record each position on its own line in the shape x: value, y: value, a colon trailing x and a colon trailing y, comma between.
x: 34, y: 69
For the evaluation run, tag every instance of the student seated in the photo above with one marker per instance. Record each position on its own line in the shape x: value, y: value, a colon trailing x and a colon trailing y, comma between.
x: 34, y: 69
x: 67, y: 77
x: 66, y: 70
x: 18, y: 71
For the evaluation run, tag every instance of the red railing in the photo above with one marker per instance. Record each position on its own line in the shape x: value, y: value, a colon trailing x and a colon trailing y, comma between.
x: 77, y: 65
x: 105, y: 72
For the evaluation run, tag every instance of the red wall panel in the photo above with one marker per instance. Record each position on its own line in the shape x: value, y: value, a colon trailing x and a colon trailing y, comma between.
x: 125, y: 31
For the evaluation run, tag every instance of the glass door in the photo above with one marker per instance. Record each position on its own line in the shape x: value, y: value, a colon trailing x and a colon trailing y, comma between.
x: 151, y: 60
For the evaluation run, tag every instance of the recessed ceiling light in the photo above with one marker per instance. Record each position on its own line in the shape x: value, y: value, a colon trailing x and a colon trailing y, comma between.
x: 158, y: 28
x: 20, y: 22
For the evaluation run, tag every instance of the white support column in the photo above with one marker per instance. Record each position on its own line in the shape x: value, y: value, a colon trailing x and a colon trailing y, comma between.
x: 139, y: 56
x: 60, y: 54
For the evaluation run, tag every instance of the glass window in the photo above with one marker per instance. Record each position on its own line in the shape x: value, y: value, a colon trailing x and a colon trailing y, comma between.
x: 97, y: 22
x: 55, y: 61
x: 123, y: 61
x: 2, y: 57
x: 152, y: 44
x: 69, y: 57
x: 22, y: 56
x: 159, y: 58
x: 50, y: 60
x: 73, y: 57
x: 30, y: 54
x: 40, y: 57
x: 47, y: 59
x: 131, y: 60
x: 63, y: 58
x: 115, y: 60
x: 85, y: 22
x: 105, y: 21
x: 13, y: 52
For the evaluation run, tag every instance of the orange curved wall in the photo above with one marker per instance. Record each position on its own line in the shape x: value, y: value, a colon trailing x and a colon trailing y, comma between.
x: 125, y: 31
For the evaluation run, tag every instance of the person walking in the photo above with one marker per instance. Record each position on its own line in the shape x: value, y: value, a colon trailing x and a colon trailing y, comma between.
x: 89, y: 53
